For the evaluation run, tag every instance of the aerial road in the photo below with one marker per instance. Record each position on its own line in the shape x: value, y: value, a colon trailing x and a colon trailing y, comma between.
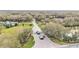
x: 46, y: 42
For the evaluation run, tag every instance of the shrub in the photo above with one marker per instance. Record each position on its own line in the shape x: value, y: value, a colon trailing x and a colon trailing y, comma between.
x: 23, y: 36
x: 54, y: 30
x: 72, y: 39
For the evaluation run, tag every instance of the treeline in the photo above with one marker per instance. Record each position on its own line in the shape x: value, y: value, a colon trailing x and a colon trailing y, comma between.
x: 58, y: 32
x: 16, y: 17
x: 71, y: 21
x: 69, y: 18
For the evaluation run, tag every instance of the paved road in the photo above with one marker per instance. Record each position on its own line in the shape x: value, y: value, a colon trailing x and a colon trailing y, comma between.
x: 46, y: 43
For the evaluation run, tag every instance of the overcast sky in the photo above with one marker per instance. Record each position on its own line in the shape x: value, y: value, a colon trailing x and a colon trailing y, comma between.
x: 39, y: 5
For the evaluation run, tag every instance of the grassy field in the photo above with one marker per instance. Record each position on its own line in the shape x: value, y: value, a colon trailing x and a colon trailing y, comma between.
x: 29, y: 43
x: 8, y: 36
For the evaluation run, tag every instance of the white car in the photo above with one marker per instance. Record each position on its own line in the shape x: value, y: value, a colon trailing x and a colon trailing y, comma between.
x: 42, y: 36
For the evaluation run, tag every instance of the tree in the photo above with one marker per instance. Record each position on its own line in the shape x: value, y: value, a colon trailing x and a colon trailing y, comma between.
x: 40, y: 17
x: 71, y: 22
x: 29, y: 17
x: 54, y: 30
x: 23, y: 37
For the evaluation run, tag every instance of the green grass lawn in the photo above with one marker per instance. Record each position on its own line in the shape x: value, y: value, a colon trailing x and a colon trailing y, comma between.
x: 8, y: 36
x: 58, y: 41
x: 29, y: 43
